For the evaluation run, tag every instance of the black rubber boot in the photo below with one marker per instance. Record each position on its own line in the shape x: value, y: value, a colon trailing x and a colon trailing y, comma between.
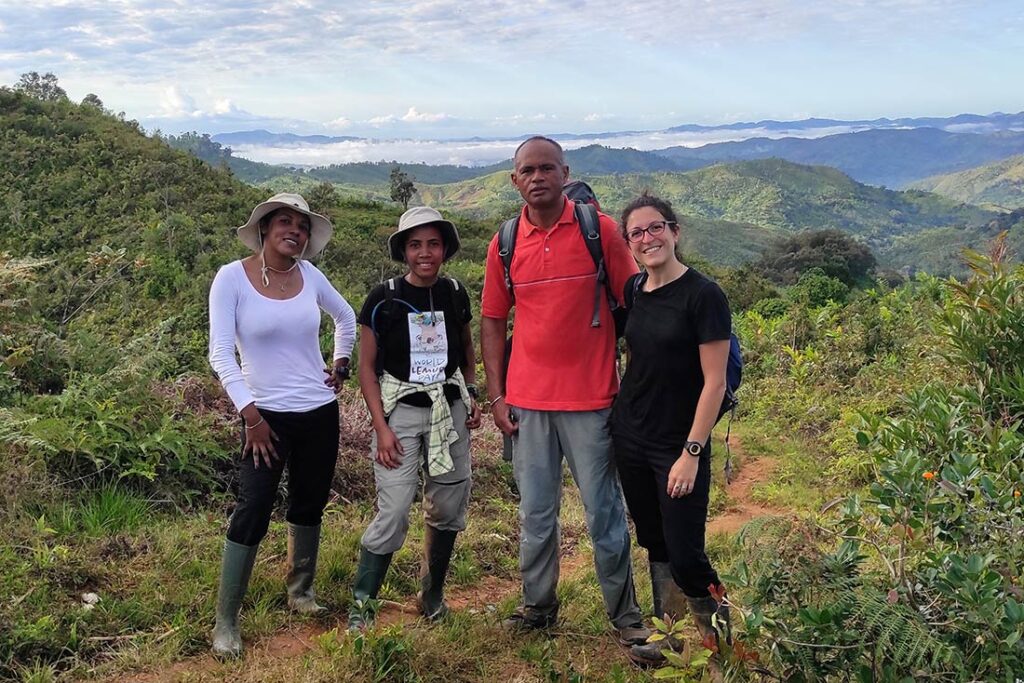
x: 437, y: 554
x: 703, y: 610
x: 369, y: 578
x: 303, y: 544
x: 668, y: 598
x: 235, y: 570
x: 712, y: 620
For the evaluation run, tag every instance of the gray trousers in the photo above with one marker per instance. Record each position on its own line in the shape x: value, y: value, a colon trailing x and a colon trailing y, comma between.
x: 584, y: 439
x: 445, y: 497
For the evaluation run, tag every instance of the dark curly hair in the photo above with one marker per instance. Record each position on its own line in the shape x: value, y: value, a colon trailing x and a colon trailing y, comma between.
x: 662, y: 206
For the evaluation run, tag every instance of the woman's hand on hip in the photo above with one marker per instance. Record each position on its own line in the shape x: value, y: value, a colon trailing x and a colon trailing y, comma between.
x: 335, y: 378
x: 389, y: 448
x: 259, y: 442
x: 682, y: 476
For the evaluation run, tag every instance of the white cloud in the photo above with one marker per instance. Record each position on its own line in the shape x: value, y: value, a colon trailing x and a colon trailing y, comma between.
x: 225, y: 107
x: 483, y: 152
x: 176, y: 103
x: 415, y: 116
x: 383, y: 120
x: 339, y: 123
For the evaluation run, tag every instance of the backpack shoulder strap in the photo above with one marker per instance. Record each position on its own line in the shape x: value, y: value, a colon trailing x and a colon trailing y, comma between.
x: 633, y: 286
x: 506, y: 248
x: 390, y: 292
x: 590, y: 226
x: 460, y: 316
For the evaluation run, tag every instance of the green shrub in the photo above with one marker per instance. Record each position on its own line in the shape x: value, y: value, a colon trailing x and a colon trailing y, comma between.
x: 921, y: 576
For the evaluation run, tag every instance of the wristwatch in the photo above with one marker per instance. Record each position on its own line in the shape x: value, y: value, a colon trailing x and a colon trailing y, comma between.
x: 694, y: 448
x: 472, y: 391
x: 343, y: 371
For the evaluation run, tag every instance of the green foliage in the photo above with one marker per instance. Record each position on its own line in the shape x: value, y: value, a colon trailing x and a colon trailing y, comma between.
x: 920, y: 575
x: 745, y: 287
x: 833, y: 252
x: 816, y: 289
x: 982, y: 322
x: 322, y: 198
x: 116, y: 422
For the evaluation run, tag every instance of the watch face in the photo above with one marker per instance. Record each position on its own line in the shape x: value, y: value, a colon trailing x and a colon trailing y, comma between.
x: 694, y: 448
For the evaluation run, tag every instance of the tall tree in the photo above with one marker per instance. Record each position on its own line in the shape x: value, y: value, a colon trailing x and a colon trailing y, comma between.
x: 402, y: 187
x: 323, y: 198
x: 43, y: 87
x: 92, y: 100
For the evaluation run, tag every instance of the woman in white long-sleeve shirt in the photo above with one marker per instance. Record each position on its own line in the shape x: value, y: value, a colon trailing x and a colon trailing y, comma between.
x: 268, y: 308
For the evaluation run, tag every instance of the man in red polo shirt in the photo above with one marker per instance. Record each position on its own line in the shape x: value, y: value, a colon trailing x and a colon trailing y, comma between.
x: 560, y: 386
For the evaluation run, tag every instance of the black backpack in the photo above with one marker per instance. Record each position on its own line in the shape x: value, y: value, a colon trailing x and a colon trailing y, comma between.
x: 590, y: 227
x: 391, y: 298
x: 579, y: 191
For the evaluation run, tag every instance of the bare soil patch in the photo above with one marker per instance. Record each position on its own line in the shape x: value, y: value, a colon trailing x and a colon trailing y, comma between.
x: 742, y: 507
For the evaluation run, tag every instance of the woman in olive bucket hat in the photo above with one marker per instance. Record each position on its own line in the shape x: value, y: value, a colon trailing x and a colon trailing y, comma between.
x: 267, y: 307
x: 417, y: 370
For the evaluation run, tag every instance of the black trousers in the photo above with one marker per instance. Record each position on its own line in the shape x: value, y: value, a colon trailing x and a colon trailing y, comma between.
x: 308, y: 445
x: 671, y: 529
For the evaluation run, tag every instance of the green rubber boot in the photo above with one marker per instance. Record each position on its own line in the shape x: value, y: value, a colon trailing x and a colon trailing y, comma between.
x: 369, y: 578
x: 236, y: 568
x: 303, y: 544
x: 437, y: 554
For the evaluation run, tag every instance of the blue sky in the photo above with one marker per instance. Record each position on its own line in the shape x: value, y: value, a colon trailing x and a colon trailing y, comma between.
x: 444, y: 69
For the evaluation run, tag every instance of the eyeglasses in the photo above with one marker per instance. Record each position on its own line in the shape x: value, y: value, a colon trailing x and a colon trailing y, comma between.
x: 654, y: 229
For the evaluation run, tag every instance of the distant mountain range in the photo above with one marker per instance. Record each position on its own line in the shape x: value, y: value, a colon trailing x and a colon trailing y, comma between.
x: 997, y: 184
x: 265, y: 137
x: 892, y: 158
x: 885, y: 155
x: 966, y: 123
x: 977, y: 123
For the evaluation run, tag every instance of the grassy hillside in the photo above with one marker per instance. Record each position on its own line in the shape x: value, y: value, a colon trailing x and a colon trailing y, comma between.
x: 997, y: 184
x: 773, y: 194
x: 878, y: 455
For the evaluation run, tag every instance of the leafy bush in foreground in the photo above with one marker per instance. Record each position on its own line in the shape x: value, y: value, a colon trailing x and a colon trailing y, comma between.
x: 921, y: 576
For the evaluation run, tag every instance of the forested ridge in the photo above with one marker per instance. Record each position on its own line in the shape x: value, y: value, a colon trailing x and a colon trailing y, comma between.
x: 893, y: 409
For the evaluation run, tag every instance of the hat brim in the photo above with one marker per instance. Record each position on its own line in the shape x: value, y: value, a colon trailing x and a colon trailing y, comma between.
x: 449, y: 233
x: 320, y: 228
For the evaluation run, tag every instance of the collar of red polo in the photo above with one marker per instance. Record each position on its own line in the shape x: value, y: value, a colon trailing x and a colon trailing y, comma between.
x: 568, y: 217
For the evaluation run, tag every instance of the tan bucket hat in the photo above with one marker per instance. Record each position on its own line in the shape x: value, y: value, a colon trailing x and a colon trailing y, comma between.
x: 320, y: 229
x: 419, y: 216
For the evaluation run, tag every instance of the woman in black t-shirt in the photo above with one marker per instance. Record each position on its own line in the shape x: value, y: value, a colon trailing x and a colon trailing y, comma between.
x: 417, y: 373
x: 678, y: 337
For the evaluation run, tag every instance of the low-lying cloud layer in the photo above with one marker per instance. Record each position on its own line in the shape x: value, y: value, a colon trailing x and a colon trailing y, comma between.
x: 484, y: 152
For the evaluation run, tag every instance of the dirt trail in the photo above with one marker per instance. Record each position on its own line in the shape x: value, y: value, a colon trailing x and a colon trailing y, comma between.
x: 486, y: 593
x: 742, y: 507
